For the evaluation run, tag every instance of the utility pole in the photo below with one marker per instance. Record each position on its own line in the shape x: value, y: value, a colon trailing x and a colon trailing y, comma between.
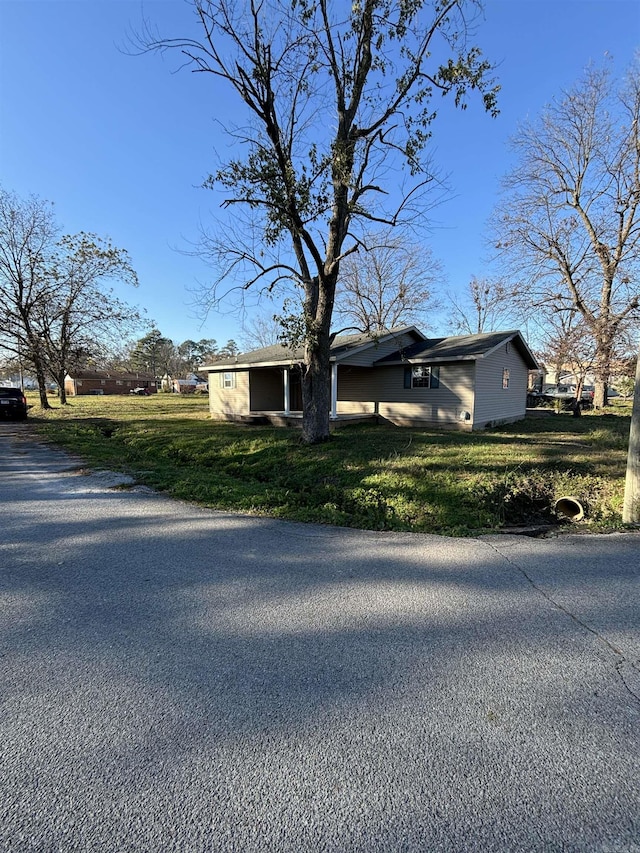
x: 631, y: 508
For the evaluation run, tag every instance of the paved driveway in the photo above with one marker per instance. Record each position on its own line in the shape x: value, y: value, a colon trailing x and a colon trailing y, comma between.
x: 174, y: 679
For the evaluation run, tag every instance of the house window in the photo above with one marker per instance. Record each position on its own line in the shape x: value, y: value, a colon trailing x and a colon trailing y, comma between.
x: 118, y: 381
x: 505, y: 377
x: 228, y: 380
x: 422, y: 376
x: 103, y: 381
x: 79, y: 383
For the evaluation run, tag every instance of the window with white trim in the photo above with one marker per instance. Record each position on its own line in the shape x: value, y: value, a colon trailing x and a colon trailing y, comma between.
x: 228, y: 379
x: 422, y: 376
x: 505, y: 377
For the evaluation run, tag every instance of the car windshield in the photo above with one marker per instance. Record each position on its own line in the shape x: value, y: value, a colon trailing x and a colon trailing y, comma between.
x: 10, y: 392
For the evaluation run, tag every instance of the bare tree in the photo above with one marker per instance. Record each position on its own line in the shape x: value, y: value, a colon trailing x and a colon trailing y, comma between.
x: 337, y: 99
x: 263, y: 330
x: 487, y: 306
x: 570, y: 222
x: 388, y: 285
x: 81, y: 311
x: 28, y: 233
x: 565, y: 348
x: 56, y: 307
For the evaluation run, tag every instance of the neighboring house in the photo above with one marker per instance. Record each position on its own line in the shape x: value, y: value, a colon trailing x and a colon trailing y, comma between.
x: 566, y: 376
x: 401, y: 376
x: 184, y: 386
x: 192, y: 384
x: 18, y: 380
x: 106, y: 382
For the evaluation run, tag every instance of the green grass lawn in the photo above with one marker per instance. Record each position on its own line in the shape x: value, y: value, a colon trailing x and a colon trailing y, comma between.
x: 372, y: 477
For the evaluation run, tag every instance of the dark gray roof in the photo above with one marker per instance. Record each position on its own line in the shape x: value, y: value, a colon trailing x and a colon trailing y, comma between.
x: 457, y: 348
x: 280, y: 354
x: 460, y: 348
x: 266, y: 355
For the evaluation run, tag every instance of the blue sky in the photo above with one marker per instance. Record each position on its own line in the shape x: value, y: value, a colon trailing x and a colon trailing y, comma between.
x: 121, y: 144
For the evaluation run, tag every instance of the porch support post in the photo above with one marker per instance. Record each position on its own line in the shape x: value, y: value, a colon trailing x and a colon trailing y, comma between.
x: 334, y: 390
x: 287, y: 395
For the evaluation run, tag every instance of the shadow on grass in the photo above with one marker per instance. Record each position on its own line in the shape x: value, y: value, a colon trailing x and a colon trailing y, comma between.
x: 376, y: 478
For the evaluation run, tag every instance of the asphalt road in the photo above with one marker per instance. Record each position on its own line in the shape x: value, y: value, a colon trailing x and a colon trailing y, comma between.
x: 176, y: 679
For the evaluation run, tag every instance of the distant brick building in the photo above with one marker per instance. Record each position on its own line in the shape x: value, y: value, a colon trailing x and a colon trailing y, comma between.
x: 99, y: 382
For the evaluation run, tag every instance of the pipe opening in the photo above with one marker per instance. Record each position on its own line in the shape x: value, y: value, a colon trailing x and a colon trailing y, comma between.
x: 569, y: 507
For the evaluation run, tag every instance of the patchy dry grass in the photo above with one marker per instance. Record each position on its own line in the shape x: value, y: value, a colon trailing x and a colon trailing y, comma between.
x: 370, y: 477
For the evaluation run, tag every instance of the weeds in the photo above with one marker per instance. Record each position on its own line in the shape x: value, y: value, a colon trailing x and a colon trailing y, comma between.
x: 369, y: 477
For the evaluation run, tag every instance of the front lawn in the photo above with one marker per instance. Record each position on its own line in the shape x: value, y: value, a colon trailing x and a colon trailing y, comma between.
x: 373, y: 477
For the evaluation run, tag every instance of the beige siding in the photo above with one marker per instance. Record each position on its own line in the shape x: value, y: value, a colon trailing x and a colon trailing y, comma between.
x: 379, y: 350
x: 229, y: 402
x: 495, y: 404
x: 445, y: 405
x: 413, y: 414
x: 382, y: 390
x: 358, y: 384
x: 355, y: 408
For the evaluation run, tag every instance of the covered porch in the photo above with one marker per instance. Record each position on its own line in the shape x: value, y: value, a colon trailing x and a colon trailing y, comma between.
x: 276, y: 392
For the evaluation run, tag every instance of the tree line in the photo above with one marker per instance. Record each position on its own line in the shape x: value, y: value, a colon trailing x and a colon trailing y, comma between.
x: 160, y: 356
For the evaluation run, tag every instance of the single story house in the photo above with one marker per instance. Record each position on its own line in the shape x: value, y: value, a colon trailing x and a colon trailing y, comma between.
x: 401, y: 376
x: 189, y: 385
x: 82, y: 382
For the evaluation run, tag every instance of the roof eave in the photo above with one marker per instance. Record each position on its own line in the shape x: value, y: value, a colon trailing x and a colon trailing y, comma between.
x: 417, y: 359
x: 247, y: 365
x: 394, y: 333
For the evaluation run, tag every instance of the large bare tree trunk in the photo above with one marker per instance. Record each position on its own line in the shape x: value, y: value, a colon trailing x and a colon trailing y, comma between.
x: 602, y: 373
x: 316, y: 381
x: 42, y: 385
x: 62, y: 393
x: 316, y: 398
x: 600, y: 398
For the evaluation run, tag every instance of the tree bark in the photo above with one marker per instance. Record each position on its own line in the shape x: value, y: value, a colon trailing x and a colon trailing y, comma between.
x: 42, y: 385
x: 316, y: 391
x: 62, y: 393
x: 599, y: 393
x: 602, y: 372
x: 316, y: 398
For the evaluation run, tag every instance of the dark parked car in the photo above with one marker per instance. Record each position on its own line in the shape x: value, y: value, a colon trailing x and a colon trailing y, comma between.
x: 13, y: 403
